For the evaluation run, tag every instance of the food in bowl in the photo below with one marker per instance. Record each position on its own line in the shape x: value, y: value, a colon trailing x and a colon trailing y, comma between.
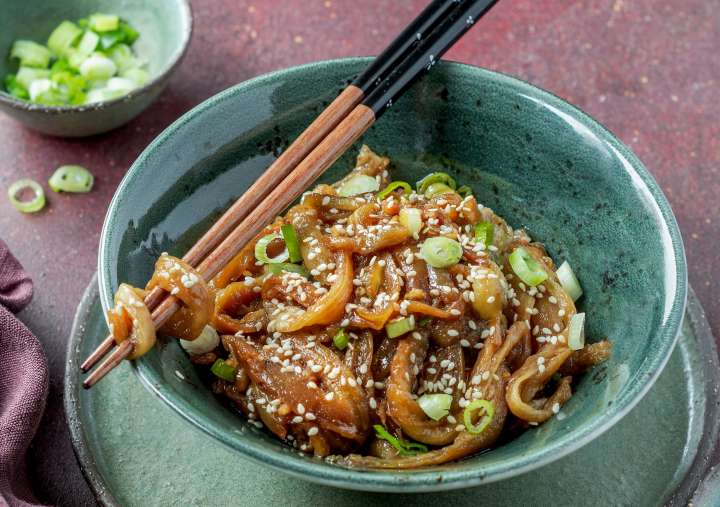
x: 83, y: 63
x: 380, y: 326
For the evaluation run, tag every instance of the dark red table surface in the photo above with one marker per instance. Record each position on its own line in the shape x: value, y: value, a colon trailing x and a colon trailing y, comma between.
x: 647, y: 69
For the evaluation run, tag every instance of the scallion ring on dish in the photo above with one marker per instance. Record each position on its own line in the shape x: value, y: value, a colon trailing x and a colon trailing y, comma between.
x: 569, y: 281
x: 278, y: 268
x: 35, y: 204
x: 71, y: 178
x: 435, y: 406
x: 261, y: 250
x: 223, y: 370
x: 576, y: 333
x: 441, y: 252
x: 438, y: 177
x: 473, y: 407
x: 400, y: 327
x: 403, y: 447
x: 526, y: 267
x: 358, y: 185
x: 485, y: 233
x: 394, y: 185
x: 341, y: 339
x: 291, y: 242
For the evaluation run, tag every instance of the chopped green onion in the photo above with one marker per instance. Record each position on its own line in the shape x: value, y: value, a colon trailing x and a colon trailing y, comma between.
x: 88, y: 43
x: 438, y: 177
x: 435, y: 406
x: 474, y: 406
x: 261, y: 250
x: 424, y: 321
x: 576, y: 333
x: 207, y: 341
x: 437, y: 189
x: 63, y: 37
x: 104, y: 22
x: 223, y: 370
x: 403, y: 447
x: 98, y: 68
x: 526, y: 267
x: 569, y: 281
x: 276, y: 269
x: 464, y: 191
x: 291, y: 242
x: 30, y: 54
x: 139, y: 76
x: 102, y: 95
x: 411, y: 218
x: 441, y: 252
x: 69, y: 87
x: 484, y: 233
x: 41, y: 91
x: 71, y: 178
x: 120, y: 84
x: 27, y: 75
x: 400, y: 327
x: 341, y: 339
x: 131, y: 35
x: 394, y: 185
x: 357, y: 185
x: 15, y: 88
x: 123, y: 57
x: 33, y: 205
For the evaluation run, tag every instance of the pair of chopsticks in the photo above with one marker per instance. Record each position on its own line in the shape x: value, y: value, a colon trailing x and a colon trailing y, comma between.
x: 409, y: 56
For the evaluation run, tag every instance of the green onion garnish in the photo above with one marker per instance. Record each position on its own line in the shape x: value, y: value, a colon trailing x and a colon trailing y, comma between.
x: 437, y: 189
x: 261, y: 250
x: 403, y: 447
x: 15, y: 88
x: 341, y: 339
x: 88, y: 43
x: 30, y: 54
x: 474, y: 406
x: 526, y: 267
x: 484, y: 233
x: 358, y: 184
x: 276, y: 269
x: 569, y: 281
x: 464, y: 191
x: 441, y: 252
x: 223, y: 370
x: 435, y: 406
x: 438, y: 177
x: 291, y: 242
x: 104, y: 22
x: 33, y: 205
x: 400, y: 327
x: 98, y: 68
x: 424, y: 321
x: 71, y: 178
x: 411, y: 218
x: 394, y: 185
x: 576, y: 333
x: 63, y: 37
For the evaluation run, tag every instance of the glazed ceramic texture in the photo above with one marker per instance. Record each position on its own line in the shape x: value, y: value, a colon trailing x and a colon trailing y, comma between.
x: 165, y: 27
x: 537, y: 161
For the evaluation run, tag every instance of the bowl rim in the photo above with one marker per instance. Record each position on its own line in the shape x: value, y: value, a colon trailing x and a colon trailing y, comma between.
x: 168, y: 68
x: 434, y: 479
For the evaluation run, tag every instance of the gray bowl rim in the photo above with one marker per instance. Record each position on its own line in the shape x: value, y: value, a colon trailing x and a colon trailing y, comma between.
x: 165, y: 72
x: 432, y: 480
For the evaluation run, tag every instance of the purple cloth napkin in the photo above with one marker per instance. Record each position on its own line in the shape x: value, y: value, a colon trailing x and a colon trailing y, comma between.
x: 23, y: 382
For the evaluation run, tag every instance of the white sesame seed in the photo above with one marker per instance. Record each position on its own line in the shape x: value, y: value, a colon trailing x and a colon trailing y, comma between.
x: 312, y: 431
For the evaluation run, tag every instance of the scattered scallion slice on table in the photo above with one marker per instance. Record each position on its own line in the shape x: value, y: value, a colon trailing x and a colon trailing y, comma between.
x: 223, y: 370
x: 435, y: 406
x: 485, y: 233
x: 526, y: 267
x: 71, y: 178
x: 474, y: 407
x: 400, y: 327
x: 16, y: 195
x: 341, y: 340
x: 403, y: 447
x: 261, y: 250
x: 576, y: 332
x: 358, y: 185
x: 441, y: 252
x: 569, y: 281
x: 394, y: 185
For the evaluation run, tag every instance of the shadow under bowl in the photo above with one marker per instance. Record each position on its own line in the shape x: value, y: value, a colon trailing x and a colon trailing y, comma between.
x: 165, y: 28
x: 536, y: 160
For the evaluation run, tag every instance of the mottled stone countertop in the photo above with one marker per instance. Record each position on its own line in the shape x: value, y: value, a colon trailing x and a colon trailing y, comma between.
x: 647, y: 69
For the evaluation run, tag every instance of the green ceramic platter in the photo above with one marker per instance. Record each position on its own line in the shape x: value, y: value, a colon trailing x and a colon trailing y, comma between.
x: 135, y: 450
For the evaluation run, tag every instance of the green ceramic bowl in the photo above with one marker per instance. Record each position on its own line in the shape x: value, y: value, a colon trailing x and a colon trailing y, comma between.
x: 165, y: 27
x: 538, y: 161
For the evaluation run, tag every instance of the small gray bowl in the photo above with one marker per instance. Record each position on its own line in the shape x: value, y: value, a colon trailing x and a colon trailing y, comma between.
x: 165, y: 27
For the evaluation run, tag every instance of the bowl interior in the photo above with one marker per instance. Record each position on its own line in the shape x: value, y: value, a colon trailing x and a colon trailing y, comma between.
x: 163, y: 26
x: 533, y: 158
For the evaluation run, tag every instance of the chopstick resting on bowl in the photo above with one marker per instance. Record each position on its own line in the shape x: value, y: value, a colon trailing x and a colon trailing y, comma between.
x: 409, y: 56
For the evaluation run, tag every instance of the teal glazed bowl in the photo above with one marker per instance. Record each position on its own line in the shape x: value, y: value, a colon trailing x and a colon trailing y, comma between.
x: 535, y: 159
x: 165, y: 28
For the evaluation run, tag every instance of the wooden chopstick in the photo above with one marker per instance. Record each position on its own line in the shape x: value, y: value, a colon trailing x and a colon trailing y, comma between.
x: 286, y: 182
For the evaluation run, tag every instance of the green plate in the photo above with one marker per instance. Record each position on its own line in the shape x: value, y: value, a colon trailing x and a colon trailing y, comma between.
x: 135, y: 450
